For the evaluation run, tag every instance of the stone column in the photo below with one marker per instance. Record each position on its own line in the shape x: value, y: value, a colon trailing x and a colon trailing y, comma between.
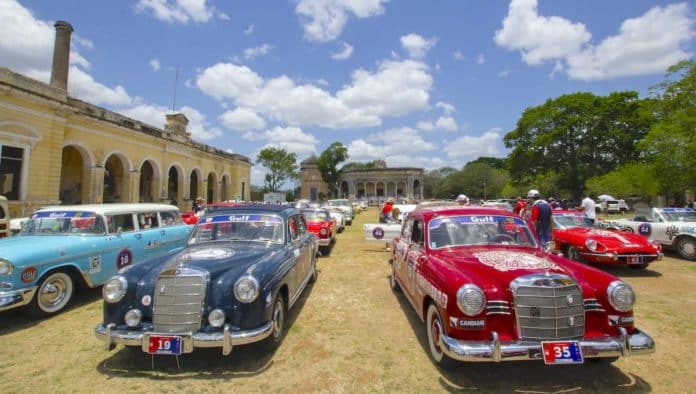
x: 96, y: 194
x: 61, y: 55
x: 134, y: 187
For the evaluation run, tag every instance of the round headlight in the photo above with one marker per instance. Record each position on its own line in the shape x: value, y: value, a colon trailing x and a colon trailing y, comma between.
x: 621, y: 296
x: 6, y: 268
x: 591, y: 244
x: 323, y: 231
x: 216, y: 318
x: 470, y: 299
x: 115, y: 289
x: 246, y: 289
x: 133, y: 317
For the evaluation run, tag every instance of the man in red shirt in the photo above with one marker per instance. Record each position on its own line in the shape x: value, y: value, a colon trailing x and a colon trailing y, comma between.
x: 520, y: 207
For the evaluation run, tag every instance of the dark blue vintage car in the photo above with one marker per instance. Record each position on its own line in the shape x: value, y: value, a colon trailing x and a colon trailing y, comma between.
x: 243, y: 269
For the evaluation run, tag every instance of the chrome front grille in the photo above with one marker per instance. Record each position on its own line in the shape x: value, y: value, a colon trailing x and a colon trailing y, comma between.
x: 179, y: 297
x: 548, y: 307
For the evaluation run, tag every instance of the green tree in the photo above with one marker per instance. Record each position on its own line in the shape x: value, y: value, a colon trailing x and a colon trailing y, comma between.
x: 327, y: 163
x: 576, y: 136
x: 670, y: 146
x: 633, y: 179
x: 281, y: 165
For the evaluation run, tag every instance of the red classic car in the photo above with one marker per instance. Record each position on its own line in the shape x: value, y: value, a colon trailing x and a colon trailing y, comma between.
x: 320, y: 222
x: 488, y: 292
x: 190, y: 217
x: 580, y: 240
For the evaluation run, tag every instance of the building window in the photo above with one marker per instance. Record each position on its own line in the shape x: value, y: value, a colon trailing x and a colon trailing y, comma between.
x: 10, y: 171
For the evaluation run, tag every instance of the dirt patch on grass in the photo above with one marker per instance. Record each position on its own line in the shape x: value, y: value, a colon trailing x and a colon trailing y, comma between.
x: 348, y: 333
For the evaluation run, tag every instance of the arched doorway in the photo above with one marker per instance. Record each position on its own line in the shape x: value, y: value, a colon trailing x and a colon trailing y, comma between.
x: 343, y: 193
x: 193, y: 185
x: 417, y: 190
x: 174, y: 187
x: 211, y: 193
x: 72, y: 177
x: 223, y: 188
x: 115, y: 188
x: 149, y: 181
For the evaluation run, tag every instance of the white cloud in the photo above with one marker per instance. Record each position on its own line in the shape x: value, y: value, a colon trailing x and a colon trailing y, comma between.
x: 242, y: 119
x: 84, y: 87
x: 467, y: 148
x: 324, y: 20
x: 403, y: 141
x: 261, y: 50
x: 480, y: 59
x: 395, y: 89
x: 155, y: 65
x: 344, y: 53
x: 31, y: 45
x: 177, y: 11
x: 155, y: 115
x: 447, y: 108
x: 539, y: 38
x: 446, y: 123
x: 425, y: 126
x: 416, y: 45
x: 223, y: 16
x: 645, y: 45
x: 249, y: 30
x: 458, y: 56
x: 503, y: 73
x: 292, y: 139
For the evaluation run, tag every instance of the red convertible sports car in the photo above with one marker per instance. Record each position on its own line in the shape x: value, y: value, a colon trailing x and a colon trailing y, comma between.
x: 579, y: 240
x: 320, y: 222
x: 488, y: 292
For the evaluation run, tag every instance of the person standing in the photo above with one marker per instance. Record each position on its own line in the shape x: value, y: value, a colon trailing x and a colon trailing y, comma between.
x: 541, y: 216
x: 462, y: 199
x: 385, y: 215
x: 588, y: 208
x: 520, y: 206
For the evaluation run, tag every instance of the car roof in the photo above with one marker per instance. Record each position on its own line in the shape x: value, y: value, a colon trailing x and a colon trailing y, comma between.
x: 106, y: 209
x: 278, y: 209
x: 433, y: 211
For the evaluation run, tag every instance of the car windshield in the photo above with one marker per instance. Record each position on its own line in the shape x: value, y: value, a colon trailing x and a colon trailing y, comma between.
x: 63, y: 223
x: 339, y: 203
x: 679, y: 215
x: 571, y: 220
x: 478, y: 230
x: 239, y: 227
x: 315, y: 214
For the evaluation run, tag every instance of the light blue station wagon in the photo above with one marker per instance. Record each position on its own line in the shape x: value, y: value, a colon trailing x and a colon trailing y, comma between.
x: 64, y: 246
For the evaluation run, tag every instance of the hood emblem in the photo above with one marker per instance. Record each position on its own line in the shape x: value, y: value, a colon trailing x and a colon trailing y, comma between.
x: 569, y: 299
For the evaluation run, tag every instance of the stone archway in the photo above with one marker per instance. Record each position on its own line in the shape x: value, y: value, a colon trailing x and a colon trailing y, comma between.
x: 115, y: 180
x: 194, y: 185
x: 344, y: 191
x: 211, y: 194
x: 224, y: 184
x: 175, y: 185
x: 74, y: 178
x: 417, y: 191
x: 149, y: 182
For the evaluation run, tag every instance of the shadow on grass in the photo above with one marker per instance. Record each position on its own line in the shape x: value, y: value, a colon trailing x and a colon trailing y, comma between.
x: 525, y: 376
x: 17, y: 319
x: 204, y: 363
x: 624, y: 271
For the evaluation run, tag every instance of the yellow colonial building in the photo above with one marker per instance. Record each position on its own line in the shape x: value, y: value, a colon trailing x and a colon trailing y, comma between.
x: 55, y: 149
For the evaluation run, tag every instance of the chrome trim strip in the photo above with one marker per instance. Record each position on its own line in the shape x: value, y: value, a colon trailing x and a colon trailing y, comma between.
x: 593, y: 305
x: 494, y: 350
x: 226, y: 339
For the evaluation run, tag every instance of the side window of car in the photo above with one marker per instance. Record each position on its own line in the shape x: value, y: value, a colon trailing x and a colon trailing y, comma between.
x: 169, y: 218
x: 301, y: 224
x: 406, y: 230
x: 148, y: 220
x: 121, y: 222
x: 293, y: 228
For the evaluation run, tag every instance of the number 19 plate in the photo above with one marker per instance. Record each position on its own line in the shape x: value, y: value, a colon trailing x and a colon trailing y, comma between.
x: 563, y: 352
x: 164, y: 345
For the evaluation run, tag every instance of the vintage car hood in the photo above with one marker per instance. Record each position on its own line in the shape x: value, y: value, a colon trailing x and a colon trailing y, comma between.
x: 38, y: 249
x: 223, y: 258
x: 493, y: 269
x: 610, y: 239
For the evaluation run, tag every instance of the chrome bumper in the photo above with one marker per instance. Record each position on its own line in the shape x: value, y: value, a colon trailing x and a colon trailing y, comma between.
x: 324, y: 241
x: 189, y: 341
x: 497, y: 351
x: 16, y: 298
x: 617, y: 257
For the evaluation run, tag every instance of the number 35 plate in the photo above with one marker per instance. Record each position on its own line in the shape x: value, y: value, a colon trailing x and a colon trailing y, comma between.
x: 563, y: 352
x: 164, y: 345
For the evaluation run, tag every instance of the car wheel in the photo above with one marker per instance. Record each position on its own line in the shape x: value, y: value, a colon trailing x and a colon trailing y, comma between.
x: 435, y: 332
x: 687, y: 248
x: 278, y: 319
x: 627, y: 230
x: 573, y: 254
x: 315, y: 274
x: 392, y: 280
x: 53, y: 293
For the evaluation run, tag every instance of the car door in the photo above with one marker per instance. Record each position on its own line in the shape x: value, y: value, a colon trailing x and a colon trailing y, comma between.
x: 305, y: 242
x: 414, y: 255
x: 172, y: 231
x: 401, y: 247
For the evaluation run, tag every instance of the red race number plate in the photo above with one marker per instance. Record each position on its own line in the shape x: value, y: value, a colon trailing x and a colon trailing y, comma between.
x: 164, y: 345
x: 564, y: 352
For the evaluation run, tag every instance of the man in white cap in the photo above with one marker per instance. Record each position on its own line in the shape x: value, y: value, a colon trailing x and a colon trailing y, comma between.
x: 462, y: 199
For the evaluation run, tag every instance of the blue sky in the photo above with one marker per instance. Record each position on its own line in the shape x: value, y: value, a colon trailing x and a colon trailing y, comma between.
x: 415, y: 83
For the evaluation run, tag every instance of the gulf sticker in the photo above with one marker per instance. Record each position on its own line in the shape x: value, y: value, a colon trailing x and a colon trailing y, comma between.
x: 378, y: 233
x: 124, y: 259
x: 644, y: 229
x: 29, y: 274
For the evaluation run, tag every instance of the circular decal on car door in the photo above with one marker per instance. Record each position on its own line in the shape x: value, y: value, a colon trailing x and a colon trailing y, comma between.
x: 29, y: 274
x: 378, y: 233
x: 124, y: 259
x: 644, y: 229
